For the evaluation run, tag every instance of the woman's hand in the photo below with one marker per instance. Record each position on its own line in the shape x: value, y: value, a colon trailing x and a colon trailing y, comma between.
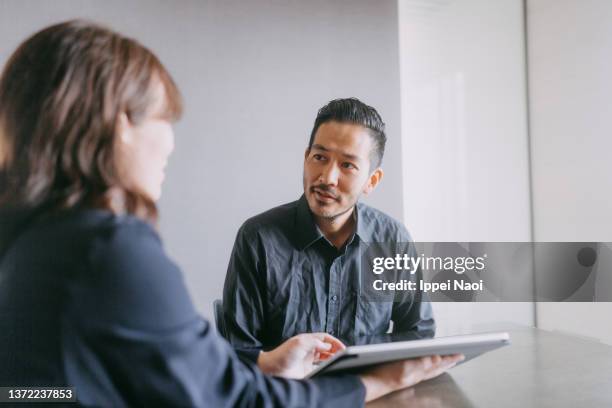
x: 297, y: 356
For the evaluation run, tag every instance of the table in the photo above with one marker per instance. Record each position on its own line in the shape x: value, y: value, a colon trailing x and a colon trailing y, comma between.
x: 538, y: 369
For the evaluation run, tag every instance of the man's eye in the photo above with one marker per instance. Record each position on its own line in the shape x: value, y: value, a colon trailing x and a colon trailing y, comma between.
x: 318, y: 157
x: 349, y: 165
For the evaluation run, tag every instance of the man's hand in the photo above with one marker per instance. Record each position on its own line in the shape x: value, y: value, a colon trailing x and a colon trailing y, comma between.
x: 296, y: 357
x: 386, y: 378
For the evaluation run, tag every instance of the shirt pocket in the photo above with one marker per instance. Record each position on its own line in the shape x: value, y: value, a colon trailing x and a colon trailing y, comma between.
x: 292, y: 301
x: 372, y: 318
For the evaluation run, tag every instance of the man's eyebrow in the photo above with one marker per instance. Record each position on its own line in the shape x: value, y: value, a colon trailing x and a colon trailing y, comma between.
x: 325, y: 149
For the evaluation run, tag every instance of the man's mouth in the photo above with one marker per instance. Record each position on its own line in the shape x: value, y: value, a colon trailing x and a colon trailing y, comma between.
x: 323, y: 196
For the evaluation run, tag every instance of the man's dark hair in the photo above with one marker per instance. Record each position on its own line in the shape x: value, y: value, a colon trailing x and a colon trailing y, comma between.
x: 352, y: 110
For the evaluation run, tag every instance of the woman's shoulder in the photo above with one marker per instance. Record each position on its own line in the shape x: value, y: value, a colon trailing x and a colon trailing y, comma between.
x: 92, y: 239
x: 117, y: 241
x: 102, y: 223
x: 127, y: 277
x: 70, y: 230
x: 96, y: 227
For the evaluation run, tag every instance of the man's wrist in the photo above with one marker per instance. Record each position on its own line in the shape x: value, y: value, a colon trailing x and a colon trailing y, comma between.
x: 374, y: 387
x: 266, y: 363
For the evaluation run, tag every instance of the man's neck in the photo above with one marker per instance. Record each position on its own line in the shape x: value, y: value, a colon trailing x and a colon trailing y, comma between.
x: 339, y: 229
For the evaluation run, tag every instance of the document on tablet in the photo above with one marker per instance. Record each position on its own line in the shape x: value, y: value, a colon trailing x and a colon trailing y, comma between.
x: 354, y: 357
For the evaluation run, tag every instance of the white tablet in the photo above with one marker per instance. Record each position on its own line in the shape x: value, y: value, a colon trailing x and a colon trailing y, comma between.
x: 354, y: 357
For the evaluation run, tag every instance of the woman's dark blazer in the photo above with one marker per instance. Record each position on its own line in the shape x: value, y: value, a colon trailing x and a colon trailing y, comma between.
x: 90, y: 300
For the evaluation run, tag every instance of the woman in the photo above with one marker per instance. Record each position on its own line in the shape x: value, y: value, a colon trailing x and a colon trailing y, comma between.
x: 88, y: 298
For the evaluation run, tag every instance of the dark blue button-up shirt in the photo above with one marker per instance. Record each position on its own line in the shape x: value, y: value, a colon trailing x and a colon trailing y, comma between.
x: 285, y: 278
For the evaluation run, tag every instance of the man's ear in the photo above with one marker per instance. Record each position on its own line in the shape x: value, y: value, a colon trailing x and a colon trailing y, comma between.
x: 373, y: 181
x: 306, y: 153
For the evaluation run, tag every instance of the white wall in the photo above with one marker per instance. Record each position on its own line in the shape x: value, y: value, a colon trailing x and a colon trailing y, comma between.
x: 253, y: 73
x: 464, y: 133
x: 570, y: 71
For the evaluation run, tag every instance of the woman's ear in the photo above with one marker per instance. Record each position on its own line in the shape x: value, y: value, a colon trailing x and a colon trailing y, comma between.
x: 124, y: 129
x: 373, y: 181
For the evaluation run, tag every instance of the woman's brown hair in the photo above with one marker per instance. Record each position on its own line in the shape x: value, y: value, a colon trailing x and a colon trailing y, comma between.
x: 61, y: 94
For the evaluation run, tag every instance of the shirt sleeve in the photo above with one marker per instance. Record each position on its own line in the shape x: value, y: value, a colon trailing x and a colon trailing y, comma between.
x: 131, y: 337
x: 244, y: 296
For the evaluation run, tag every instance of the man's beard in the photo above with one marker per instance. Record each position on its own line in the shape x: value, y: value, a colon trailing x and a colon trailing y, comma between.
x: 327, y: 216
x: 332, y: 217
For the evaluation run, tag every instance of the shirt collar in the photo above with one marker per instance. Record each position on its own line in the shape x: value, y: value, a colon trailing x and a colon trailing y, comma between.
x: 363, y: 230
x: 308, y: 232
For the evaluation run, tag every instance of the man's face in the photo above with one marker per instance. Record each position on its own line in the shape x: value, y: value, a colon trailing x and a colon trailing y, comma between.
x: 336, y: 168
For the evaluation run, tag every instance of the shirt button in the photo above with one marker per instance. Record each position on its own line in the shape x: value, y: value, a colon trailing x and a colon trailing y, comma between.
x: 334, y: 298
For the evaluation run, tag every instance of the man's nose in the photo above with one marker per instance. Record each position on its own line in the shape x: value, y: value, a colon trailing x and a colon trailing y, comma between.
x: 330, y: 174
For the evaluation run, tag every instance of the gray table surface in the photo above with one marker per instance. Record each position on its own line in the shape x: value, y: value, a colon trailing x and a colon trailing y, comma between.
x: 538, y: 369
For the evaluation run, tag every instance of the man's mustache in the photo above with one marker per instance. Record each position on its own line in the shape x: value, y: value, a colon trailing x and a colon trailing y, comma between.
x: 326, y: 190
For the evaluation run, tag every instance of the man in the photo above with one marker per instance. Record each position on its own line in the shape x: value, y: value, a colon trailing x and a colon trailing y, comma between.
x: 296, y: 268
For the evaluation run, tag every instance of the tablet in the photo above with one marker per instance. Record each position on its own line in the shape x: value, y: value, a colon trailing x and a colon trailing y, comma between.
x: 354, y: 357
